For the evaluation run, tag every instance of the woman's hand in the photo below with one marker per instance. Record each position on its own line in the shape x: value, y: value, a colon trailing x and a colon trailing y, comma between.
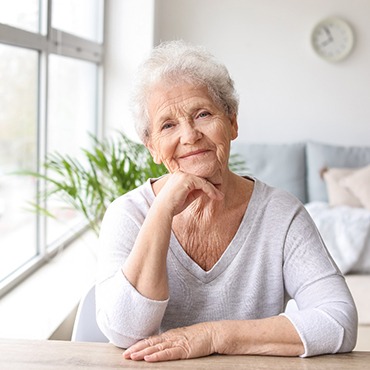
x: 175, y: 344
x: 146, y: 266
x: 181, y: 189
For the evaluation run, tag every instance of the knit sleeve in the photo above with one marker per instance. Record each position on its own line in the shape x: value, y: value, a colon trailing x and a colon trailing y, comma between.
x: 123, y: 314
x: 326, y: 319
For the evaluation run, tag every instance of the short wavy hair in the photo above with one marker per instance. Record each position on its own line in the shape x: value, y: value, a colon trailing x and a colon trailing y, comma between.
x: 178, y: 61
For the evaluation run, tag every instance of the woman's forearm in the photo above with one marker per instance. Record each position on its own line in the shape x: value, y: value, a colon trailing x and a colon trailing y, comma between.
x: 145, y: 268
x: 271, y: 336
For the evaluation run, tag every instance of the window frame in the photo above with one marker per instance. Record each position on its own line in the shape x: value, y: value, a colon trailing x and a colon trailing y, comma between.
x: 52, y: 41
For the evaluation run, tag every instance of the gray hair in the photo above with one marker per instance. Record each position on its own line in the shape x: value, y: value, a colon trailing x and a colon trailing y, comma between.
x: 177, y: 61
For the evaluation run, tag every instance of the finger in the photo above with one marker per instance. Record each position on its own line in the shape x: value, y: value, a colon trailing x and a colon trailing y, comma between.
x: 194, y: 183
x: 141, y: 345
x: 160, y: 347
x: 169, y: 354
x: 211, y: 190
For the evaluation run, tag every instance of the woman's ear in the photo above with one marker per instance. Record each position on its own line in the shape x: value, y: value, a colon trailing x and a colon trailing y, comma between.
x: 234, y: 127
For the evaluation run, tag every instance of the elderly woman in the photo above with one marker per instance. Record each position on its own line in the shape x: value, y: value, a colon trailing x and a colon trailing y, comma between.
x: 202, y: 260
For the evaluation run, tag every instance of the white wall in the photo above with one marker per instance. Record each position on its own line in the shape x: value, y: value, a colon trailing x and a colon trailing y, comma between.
x: 287, y: 93
x: 128, y: 34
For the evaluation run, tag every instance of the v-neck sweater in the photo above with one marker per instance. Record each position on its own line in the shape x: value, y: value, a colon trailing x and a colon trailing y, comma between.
x: 276, y: 254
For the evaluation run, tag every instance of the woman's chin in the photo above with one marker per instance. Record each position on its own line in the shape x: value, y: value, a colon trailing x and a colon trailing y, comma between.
x: 204, y: 173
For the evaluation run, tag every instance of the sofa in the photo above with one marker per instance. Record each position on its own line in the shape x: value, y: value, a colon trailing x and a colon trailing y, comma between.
x: 333, y: 182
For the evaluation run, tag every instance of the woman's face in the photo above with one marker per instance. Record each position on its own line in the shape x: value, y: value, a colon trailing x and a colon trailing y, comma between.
x: 189, y: 132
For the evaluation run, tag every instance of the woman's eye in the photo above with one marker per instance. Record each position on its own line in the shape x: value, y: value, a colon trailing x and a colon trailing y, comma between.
x: 203, y: 114
x: 167, y: 125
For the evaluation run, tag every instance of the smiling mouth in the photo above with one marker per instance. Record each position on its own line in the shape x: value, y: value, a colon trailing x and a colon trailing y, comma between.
x: 195, y: 153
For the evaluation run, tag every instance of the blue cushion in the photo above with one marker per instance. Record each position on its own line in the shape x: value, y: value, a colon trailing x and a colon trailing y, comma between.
x: 321, y: 156
x: 279, y: 165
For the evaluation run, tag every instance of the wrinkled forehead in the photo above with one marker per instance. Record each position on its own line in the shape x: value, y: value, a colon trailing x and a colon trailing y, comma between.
x: 168, y: 100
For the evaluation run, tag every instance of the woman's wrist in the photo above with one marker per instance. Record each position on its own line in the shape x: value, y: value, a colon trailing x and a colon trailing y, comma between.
x: 272, y: 336
x: 217, y: 336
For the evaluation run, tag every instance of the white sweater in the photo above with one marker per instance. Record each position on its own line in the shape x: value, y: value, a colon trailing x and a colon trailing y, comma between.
x: 276, y: 254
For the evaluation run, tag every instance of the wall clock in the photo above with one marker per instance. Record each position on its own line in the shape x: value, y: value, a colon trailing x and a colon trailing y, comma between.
x: 332, y: 39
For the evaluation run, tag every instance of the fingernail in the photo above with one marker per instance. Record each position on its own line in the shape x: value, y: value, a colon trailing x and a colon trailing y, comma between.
x: 126, y: 354
x: 147, y: 357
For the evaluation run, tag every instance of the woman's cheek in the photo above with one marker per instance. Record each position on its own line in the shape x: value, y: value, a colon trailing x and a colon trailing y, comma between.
x: 167, y: 159
x: 171, y: 165
x: 222, y: 154
x: 166, y: 149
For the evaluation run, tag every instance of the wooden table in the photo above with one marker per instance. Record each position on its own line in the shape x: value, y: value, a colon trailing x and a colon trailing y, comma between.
x: 58, y: 355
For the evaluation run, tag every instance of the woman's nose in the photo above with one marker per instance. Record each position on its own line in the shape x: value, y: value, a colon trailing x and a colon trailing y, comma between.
x: 189, y: 134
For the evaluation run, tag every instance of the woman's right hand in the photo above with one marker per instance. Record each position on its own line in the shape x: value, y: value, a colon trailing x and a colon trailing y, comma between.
x: 181, y: 189
x: 145, y: 267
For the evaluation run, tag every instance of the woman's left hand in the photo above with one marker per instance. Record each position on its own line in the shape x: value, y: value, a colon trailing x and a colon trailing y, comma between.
x: 175, y: 344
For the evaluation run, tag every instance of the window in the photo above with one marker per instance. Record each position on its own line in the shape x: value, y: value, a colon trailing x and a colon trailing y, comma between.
x: 18, y: 138
x: 50, y: 66
x: 24, y: 14
x: 71, y: 114
x: 70, y: 16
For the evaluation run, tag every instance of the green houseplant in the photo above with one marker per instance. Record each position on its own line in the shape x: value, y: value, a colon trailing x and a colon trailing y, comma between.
x: 89, y: 183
